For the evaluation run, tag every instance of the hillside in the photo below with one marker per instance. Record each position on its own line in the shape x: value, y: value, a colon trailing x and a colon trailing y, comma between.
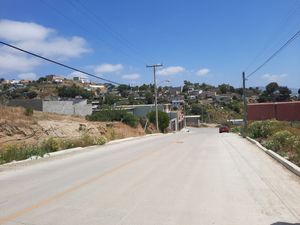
x: 17, y: 128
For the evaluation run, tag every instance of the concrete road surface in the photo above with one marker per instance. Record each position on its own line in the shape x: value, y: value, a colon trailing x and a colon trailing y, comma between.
x: 200, y: 177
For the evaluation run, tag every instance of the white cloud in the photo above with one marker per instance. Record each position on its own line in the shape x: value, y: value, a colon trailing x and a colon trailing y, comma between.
x: 38, y: 39
x: 274, y: 77
x: 133, y: 76
x: 170, y: 70
x: 203, y: 72
x: 58, y: 47
x: 23, y: 31
x: 108, y: 68
x: 16, y: 62
x: 27, y: 76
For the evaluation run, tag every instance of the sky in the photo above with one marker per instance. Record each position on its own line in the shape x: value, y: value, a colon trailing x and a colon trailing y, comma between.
x: 211, y: 41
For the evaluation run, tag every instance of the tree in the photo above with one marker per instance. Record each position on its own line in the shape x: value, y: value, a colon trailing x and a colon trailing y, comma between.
x: 149, y: 98
x: 271, y: 88
x: 163, y: 119
x: 284, y: 94
x: 186, y: 85
x: 31, y: 94
x: 124, y: 90
x: 72, y: 92
x: 239, y: 91
x: 224, y: 88
x: 197, y: 109
x: 144, y: 87
x: 41, y: 80
x: 274, y: 92
x: 110, y: 99
x: 299, y: 91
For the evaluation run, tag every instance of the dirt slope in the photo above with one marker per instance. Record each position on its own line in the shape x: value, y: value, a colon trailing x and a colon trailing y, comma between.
x: 16, y: 127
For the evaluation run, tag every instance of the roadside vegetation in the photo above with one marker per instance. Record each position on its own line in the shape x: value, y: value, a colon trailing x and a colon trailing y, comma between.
x: 281, y: 137
x: 24, y: 151
x: 115, y: 115
x: 25, y: 133
x: 163, y: 120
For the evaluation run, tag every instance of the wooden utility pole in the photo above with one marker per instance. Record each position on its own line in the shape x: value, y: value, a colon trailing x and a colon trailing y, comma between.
x: 155, y: 91
x: 244, y: 99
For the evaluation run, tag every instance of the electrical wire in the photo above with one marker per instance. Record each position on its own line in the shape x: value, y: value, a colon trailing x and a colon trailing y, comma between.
x: 58, y: 63
x: 287, y: 43
x: 277, y: 33
x: 101, y: 22
x: 95, y: 35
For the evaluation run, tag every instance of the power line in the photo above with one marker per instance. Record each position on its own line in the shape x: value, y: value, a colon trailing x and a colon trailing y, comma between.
x: 268, y: 44
x: 58, y: 63
x: 117, y: 35
x: 96, y: 35
x: 276, y: 53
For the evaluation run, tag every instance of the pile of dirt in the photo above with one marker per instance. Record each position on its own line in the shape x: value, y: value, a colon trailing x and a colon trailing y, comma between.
x: 16, y: 127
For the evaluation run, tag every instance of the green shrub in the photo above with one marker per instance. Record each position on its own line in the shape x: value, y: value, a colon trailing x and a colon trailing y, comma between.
x: 163, y: 119
x: 73, y: 91
x: 235, y: 129
x: 25, y: 151
x: 66, y: 144
x: 281, y: 140
x: 114, y: 115
x: 130, y: 120
x: 28, y: 112
x: 87, y: 140
x: 50, y: 145
x: 100, y: 140
x: 295, y: 156
x: 18, y: 152
x: 263, y: 129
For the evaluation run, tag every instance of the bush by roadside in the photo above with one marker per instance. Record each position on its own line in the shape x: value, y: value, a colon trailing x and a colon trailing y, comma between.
x: 163, y: 119
x: 278, y: 136
x: 25, y: 151
x: 115, y: 115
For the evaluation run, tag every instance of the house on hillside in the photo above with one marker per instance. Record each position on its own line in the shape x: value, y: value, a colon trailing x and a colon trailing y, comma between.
x: 208, y: 95
x: 174, y: 91
x: 98, y: 88
x: 178, y: 104
x: 82, y: 80
x: 55, y: 79
x: 225, y: 99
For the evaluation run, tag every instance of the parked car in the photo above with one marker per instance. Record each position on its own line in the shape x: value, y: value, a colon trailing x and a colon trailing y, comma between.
x: 223, y: 128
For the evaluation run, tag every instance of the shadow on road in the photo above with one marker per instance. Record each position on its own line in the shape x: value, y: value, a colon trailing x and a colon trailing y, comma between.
x: 284, y: 223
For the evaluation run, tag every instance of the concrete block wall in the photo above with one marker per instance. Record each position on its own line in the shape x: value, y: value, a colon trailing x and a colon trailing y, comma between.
x: 36, y: 104
x: 80, y: 108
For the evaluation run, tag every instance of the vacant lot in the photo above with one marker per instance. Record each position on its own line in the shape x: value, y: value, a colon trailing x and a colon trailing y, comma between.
x: 19, y: 127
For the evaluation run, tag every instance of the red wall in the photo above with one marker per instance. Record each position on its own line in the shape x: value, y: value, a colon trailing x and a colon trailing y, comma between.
x: 286, y: 111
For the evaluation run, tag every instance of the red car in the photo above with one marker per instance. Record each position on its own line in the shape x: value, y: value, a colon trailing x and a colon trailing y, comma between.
x: 223, y: 128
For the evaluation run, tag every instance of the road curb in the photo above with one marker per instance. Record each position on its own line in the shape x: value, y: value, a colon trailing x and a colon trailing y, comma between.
x: 77, y: 149
x: 289, y: 165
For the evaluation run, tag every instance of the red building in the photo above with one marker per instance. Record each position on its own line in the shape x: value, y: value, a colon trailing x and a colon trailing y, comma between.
x: 284, y: 111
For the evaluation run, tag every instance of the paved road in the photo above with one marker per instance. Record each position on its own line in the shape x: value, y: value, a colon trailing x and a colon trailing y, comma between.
x: 200, y: 177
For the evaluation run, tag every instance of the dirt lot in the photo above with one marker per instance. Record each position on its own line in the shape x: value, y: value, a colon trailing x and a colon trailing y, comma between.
x: 16, y: 127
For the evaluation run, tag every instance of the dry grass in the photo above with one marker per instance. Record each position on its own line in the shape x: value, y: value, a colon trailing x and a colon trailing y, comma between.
x: 16, y: 127
x: 16, y: 114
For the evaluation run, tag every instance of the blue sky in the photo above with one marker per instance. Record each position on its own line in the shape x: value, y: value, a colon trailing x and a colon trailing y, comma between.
x: 201, y: 41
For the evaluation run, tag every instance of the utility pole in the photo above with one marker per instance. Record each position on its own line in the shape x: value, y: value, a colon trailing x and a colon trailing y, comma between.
x: 155, y: 91
x: 244, y: 99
